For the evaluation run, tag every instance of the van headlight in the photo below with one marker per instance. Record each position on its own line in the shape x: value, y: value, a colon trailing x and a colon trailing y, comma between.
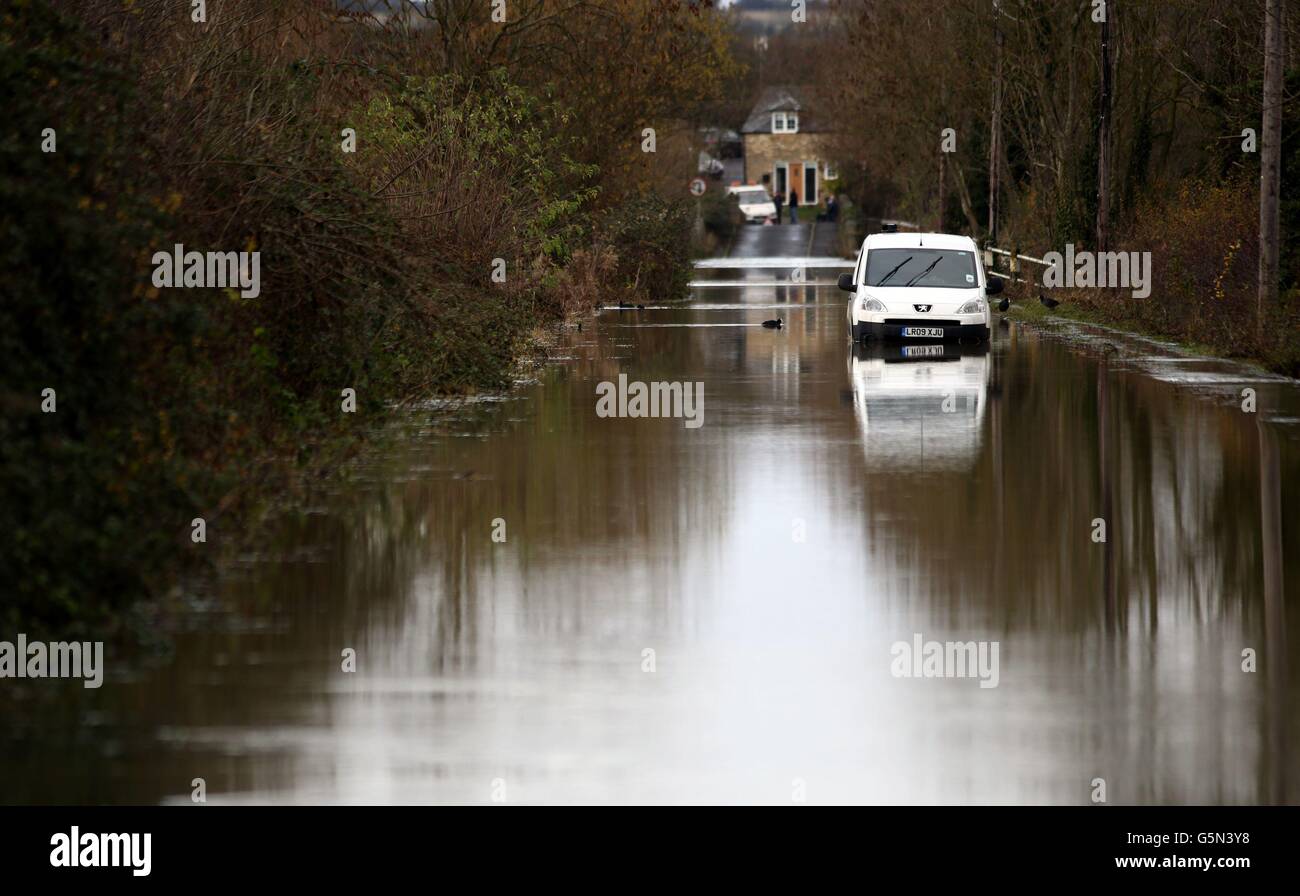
x: 974, y: 306
x: 872, y: 305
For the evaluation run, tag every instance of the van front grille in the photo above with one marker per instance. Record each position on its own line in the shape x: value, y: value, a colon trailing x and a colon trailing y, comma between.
x: 918, y: 322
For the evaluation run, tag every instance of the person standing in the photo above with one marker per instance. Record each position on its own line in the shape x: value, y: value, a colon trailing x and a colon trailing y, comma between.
x: 777, y: 201
x: 794, y: 207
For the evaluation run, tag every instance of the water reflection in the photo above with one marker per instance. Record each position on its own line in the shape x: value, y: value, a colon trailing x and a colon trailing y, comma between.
x: 920, y: 406
x: 1275, y: 659
x: 769, y: 560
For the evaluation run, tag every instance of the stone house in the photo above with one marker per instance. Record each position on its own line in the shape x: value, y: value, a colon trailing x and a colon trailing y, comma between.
x: 782, y: 146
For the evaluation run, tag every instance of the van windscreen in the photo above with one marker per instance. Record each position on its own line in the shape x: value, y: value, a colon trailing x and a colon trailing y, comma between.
x: 942, y: 268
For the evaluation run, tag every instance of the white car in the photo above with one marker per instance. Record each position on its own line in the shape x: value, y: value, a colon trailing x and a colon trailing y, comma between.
x: 755, y: 203
x: 919, y: 287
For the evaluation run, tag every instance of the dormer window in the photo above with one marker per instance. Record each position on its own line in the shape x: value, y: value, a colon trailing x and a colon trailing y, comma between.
x: 785, y: 122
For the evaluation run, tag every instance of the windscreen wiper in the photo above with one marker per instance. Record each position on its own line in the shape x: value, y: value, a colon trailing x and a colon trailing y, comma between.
x: 894, y: 271
x: 923, y: 273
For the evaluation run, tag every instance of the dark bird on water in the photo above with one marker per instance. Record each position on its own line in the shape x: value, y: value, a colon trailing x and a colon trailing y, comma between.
x: 1004, y: 304
x: 1047, y: 303
x: 774, y: 324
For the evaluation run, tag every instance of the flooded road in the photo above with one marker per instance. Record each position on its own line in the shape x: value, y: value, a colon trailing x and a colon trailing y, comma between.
x: 712, y: 614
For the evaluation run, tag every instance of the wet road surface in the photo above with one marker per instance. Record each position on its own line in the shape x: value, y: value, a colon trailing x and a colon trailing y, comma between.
x: 547, y: 605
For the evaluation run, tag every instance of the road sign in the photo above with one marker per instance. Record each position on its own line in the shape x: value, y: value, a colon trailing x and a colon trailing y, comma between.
x: 698, y: 186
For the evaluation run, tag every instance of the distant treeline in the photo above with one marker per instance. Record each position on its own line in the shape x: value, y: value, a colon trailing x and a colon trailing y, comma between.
x: 1129, y: 124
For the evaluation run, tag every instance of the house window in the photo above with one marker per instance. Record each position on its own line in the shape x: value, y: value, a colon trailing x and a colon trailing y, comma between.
x: 830, y: 172
x: 785, y: 122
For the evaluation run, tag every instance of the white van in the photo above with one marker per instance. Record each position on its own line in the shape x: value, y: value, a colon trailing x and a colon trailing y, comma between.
x: 919, y: 287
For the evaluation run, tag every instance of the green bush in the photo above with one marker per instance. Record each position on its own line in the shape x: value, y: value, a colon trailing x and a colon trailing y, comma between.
x: 374, y: 275
x: 721, y: 215
x: 651, y: 237
x: 172, y: 403
x: 1204, y: 243
x: 76, y: 484
x: 477, y: 172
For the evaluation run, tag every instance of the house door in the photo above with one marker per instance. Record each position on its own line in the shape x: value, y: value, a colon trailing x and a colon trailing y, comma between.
x: 780, y: 183
x: 796, y: 182
x: 808, y: 195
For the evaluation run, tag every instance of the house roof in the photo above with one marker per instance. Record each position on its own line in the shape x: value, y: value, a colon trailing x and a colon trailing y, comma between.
x: 782, y: 99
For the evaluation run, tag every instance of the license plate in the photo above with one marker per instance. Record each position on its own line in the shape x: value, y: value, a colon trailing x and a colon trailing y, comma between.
x: 924, y: 332
x: 922, y: 351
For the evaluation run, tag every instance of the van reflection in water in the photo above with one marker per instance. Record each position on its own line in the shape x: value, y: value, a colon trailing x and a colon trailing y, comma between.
x: 921, y: 407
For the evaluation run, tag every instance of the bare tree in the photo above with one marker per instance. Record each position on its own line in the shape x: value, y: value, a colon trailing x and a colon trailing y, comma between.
x: 995, y: 127
x: 942, y: 200
x: 1103, y: 131
x: 1270, y: 174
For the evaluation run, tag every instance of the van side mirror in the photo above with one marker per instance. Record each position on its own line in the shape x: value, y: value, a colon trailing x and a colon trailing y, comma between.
x: 846, y: 282
x: 993, y: 287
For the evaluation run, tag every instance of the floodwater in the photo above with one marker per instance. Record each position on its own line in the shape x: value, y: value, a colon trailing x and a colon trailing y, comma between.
x: 671, y: 613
